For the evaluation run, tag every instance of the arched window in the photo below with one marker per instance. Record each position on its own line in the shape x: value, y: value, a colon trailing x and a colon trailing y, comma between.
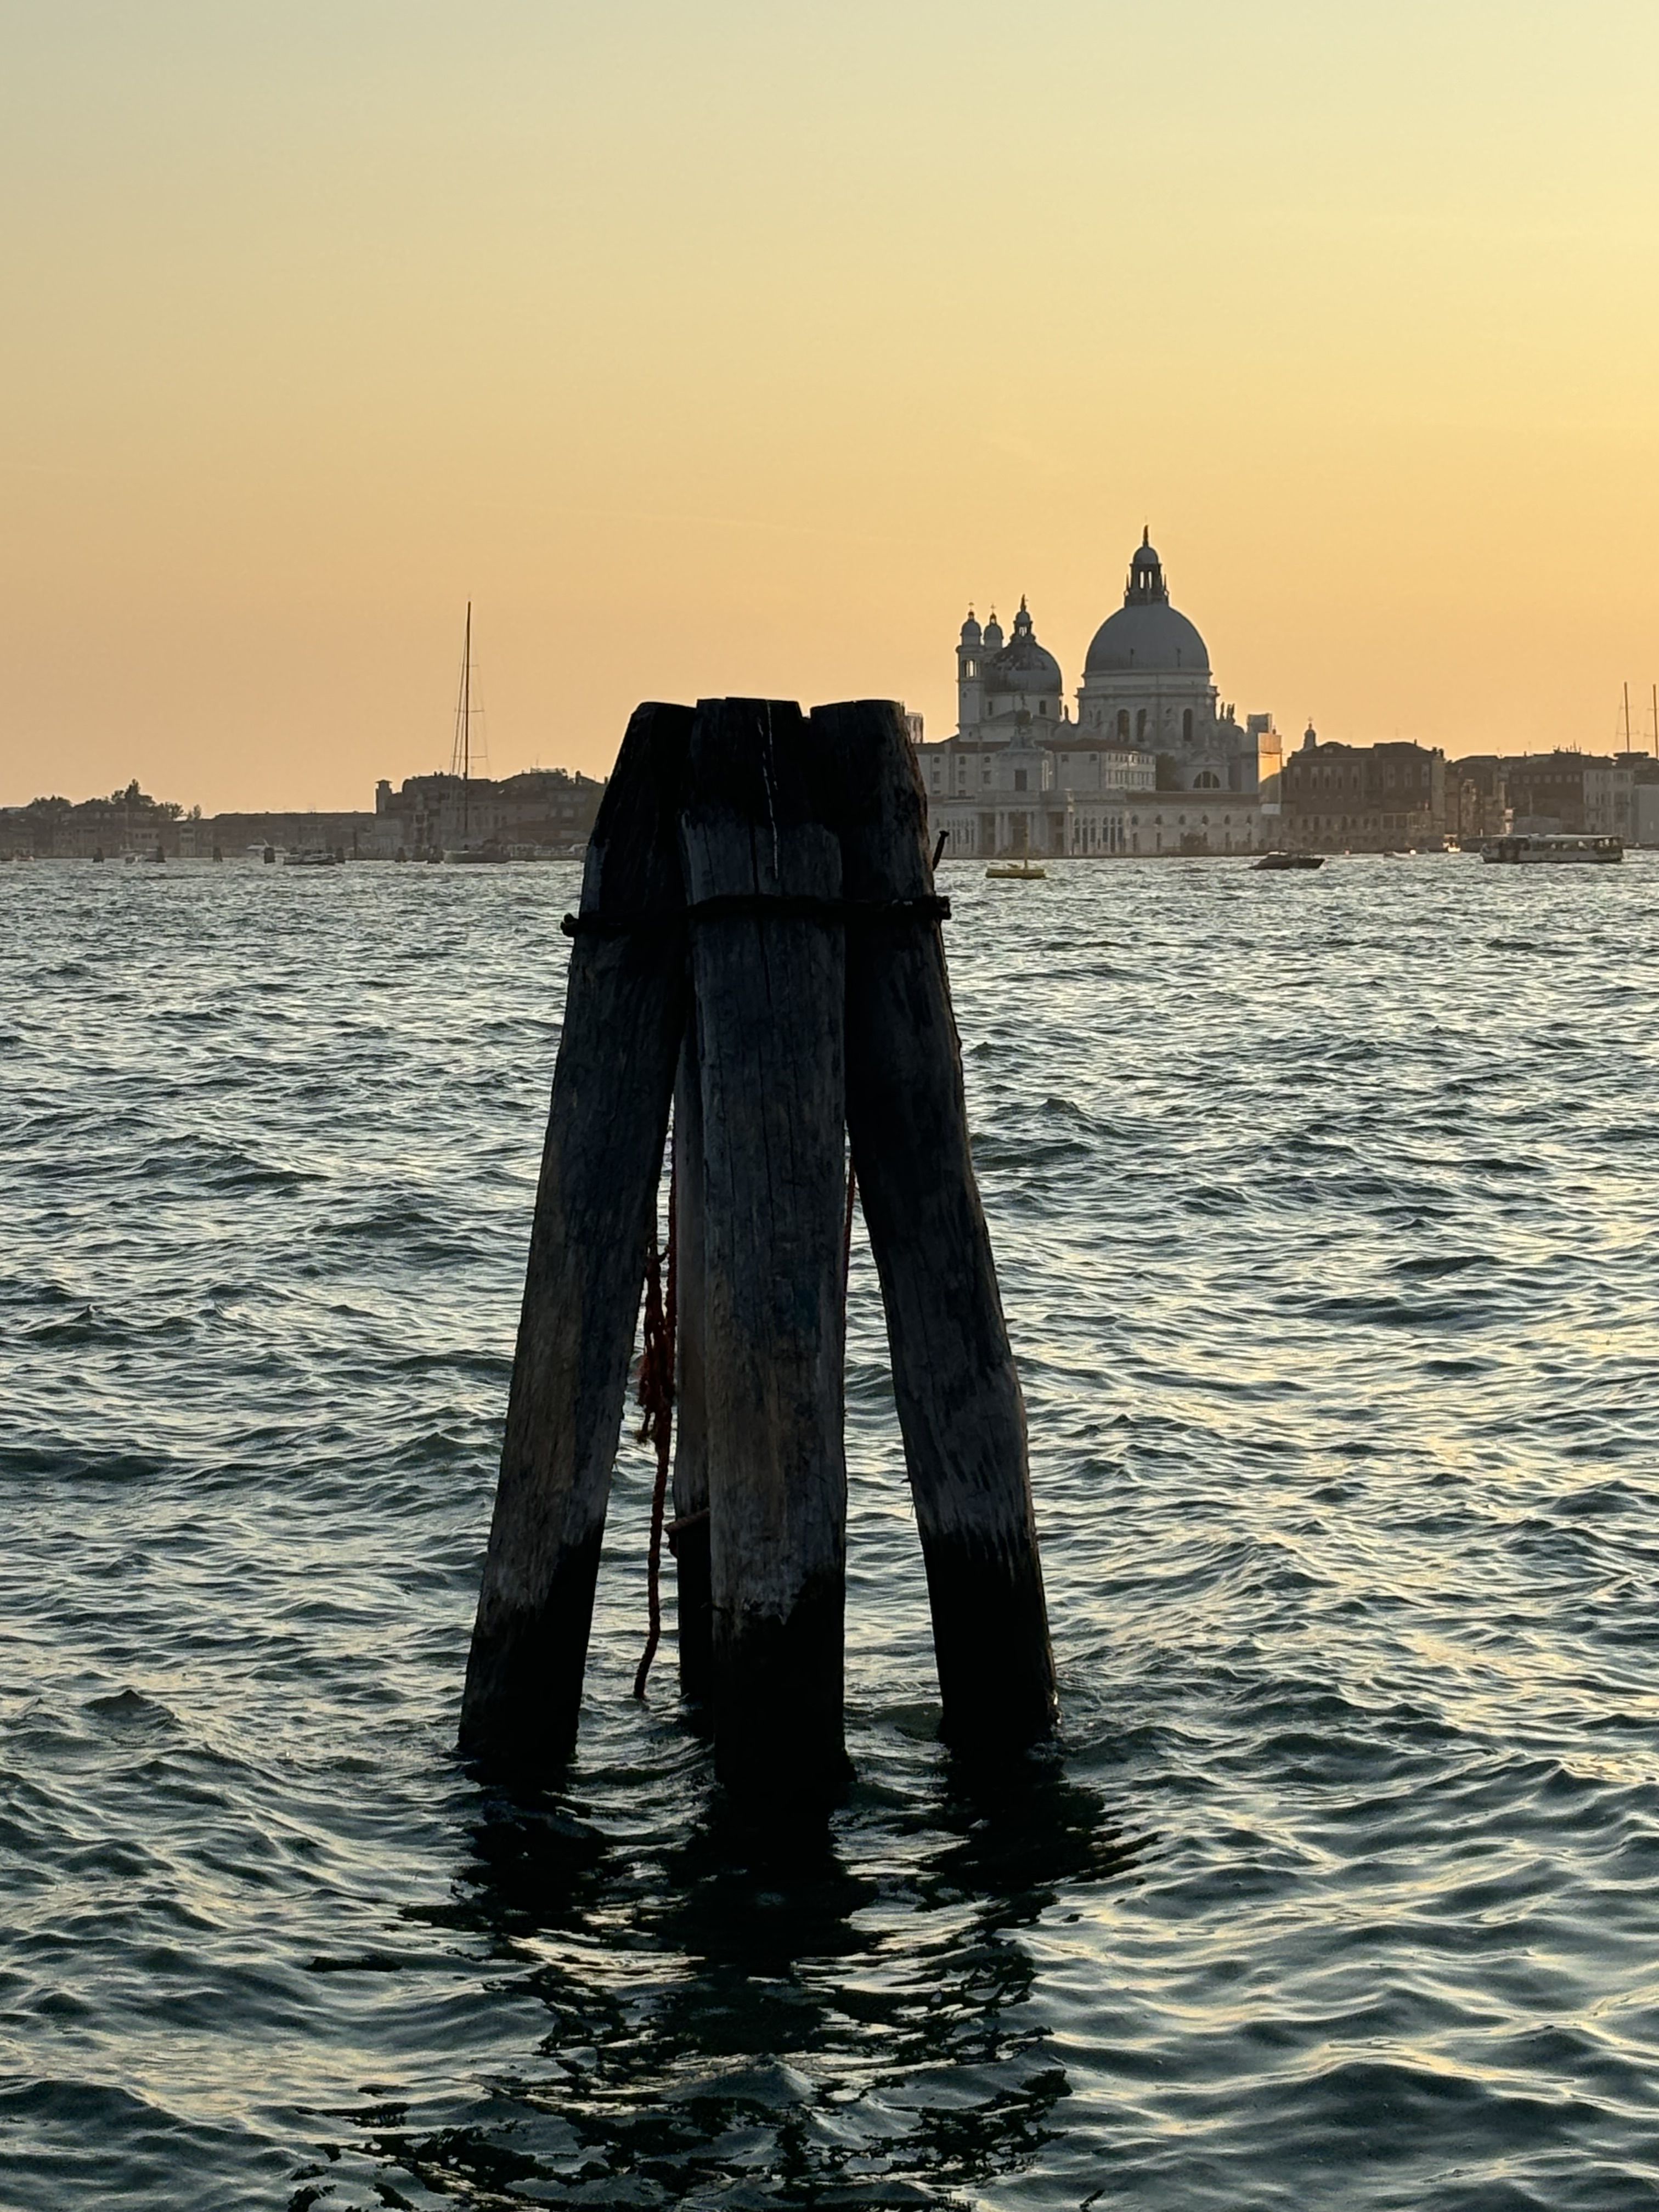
x: 1123, y: 722
x: 1209, y: 781
x: 1042, y: 706
x: 1140, y: 726
x: 1187, y: 728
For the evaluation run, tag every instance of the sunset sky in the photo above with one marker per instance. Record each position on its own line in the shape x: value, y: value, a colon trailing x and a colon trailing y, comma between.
x: 737, y: 347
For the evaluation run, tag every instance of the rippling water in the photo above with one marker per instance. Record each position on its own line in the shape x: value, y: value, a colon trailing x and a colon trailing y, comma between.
x: 1325, y: 1212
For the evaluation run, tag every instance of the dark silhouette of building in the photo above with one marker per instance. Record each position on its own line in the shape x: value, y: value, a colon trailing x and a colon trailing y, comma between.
x: 1477, y: 798
x: 129, y: 820
x: 544, y: 810
x: 1581, y: 794
x: 292, y: 832
x: 1362, y: 798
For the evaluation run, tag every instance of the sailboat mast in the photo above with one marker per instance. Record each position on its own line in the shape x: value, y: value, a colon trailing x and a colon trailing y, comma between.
x: 466, y: 723
x: 1627, y: 721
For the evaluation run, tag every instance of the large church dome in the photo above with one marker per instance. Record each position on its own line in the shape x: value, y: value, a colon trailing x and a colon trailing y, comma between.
x: 1146, y: 633
x: 1022, y: 665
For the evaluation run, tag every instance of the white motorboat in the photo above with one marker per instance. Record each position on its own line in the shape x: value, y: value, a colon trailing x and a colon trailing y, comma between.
x: 1530, y: 849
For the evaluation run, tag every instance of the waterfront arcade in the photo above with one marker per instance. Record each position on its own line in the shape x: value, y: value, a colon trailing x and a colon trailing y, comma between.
x: 1150, y: 763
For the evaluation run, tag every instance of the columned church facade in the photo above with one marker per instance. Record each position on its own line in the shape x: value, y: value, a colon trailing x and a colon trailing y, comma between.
x: 1150, y: 763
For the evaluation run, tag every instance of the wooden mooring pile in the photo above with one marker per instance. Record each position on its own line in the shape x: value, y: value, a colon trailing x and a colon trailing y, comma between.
x: 759, y: 948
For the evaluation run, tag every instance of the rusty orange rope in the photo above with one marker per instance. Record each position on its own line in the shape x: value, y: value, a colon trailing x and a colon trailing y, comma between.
x: 657, y: 1398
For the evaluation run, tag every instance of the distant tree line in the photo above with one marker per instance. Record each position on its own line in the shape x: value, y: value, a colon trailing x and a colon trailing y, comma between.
x: 127, y: 821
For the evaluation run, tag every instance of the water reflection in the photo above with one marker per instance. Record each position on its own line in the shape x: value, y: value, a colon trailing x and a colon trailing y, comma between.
x: 841, y: 2016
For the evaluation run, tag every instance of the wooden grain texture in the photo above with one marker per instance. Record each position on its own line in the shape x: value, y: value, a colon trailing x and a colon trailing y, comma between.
x: 769, y: 994
x: 959, y: 1403
x: 624, y: 1017
x: 691, y: 1491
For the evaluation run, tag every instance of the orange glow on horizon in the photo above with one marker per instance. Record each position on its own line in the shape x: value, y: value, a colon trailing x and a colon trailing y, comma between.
x: 738, y: 348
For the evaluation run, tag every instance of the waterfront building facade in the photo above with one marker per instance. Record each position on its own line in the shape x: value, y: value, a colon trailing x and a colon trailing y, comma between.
x: 1643, y: 797
x: 1151, y: 763
x: 1580, y: 794
x: 542, y: 813
x: 1478, y: 799
x: 130, y: 822
x: 1363, y: 798
x: 1583, y: 794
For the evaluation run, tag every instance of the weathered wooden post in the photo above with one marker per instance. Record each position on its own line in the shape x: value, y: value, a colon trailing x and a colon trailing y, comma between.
x: 624, y: 1017
x: 689, y: 1532
x: 763, y: 875
x: 959, y: 1403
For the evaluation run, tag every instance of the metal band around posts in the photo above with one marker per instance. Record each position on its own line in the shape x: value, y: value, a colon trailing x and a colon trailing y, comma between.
x: 833, y: 913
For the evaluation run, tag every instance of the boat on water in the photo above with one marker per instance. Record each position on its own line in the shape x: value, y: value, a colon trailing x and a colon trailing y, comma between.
x: 1275, y: 862
x: 1530, y: 849
x: 489, y: 850
x: 1017, y: 871
x: 314, y: 856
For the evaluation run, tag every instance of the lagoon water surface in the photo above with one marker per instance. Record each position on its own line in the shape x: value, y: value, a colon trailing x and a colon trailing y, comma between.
x: 1325, y: 1211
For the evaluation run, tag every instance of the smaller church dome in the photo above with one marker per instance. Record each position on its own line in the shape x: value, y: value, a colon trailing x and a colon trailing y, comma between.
x: 971, y: 632
x: 1022, y: 665
x: 992, y: 633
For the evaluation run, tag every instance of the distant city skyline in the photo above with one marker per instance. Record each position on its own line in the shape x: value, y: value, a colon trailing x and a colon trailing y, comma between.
x: 737, y: 349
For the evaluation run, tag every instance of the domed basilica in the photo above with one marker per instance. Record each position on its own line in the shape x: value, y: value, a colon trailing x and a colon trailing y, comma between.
x: 1151, y: 762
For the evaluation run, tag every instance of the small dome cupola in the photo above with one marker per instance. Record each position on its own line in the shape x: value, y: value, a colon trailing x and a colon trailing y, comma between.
x: 1309, y: 737
x: 971, y: 632
x: 1145, y: 587
x: 993, y: 634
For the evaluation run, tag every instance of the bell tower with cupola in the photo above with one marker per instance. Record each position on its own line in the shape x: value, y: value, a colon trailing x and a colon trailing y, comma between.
x: 970, y: 673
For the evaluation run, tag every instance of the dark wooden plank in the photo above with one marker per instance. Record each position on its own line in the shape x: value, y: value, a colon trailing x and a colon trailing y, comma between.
x: 769, y: 993
x: 959, y: 1402
x: 624, y: 1017
x: 690, y: 1494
